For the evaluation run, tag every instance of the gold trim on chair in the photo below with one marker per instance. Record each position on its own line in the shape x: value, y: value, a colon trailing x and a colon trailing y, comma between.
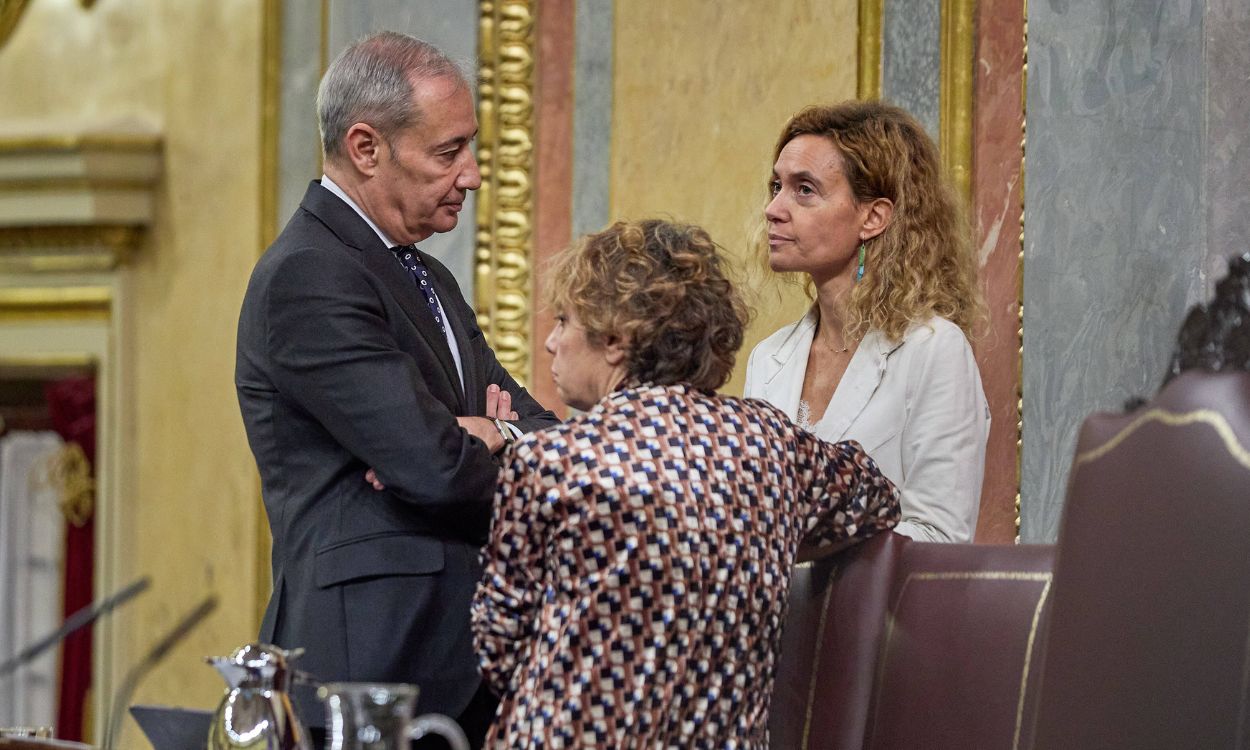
x: 505, y: 211
x: 1028, y: 662
x: 1014, y: 576
x: 1209, y: 417
x: 820, y: 644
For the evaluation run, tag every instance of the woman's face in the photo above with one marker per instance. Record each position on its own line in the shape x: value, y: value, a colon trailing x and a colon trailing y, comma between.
x: 814, y: 224
x: 583, y: 373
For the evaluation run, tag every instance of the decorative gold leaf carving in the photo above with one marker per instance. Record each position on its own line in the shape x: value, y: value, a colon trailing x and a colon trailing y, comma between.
x: 505, y: 202
x: 68, y: 472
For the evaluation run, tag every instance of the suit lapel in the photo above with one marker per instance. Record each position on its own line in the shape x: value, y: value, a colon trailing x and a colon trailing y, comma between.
x: 788, y: 364
x: 860, y: 381
x: 347, y: 225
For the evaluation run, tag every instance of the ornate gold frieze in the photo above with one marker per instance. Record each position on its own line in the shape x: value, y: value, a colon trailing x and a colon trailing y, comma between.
x: 505, y: 215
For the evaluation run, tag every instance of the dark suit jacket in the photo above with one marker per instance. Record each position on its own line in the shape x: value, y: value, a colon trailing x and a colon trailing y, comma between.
x: 340, y: 367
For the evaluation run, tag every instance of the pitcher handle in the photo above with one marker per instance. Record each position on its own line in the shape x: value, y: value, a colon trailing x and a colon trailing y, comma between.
x: 441, y: 725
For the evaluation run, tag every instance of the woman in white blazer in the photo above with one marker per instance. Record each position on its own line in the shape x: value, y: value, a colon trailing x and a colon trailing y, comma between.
x: 861, y: 211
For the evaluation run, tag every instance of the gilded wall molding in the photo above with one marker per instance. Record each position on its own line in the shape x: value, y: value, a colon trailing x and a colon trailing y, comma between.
x: 1024, y: 104
x: 505, y: 209
x: 10, y: 14
x: 128, y: 142
x: 75, y: 202
x: 55, y: 302
x: 958, y: 49
x: 958, y: 58
x: 61, y: 249
x: 868, y: 82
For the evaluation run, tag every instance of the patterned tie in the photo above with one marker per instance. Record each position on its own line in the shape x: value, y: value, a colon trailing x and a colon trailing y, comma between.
x: 410, y: 260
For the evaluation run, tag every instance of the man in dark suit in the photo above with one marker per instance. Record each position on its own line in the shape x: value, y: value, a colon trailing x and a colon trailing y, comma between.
x: 357, y: 350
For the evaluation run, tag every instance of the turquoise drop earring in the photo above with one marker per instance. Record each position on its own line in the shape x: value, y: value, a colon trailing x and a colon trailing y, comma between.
x: 859, y: 272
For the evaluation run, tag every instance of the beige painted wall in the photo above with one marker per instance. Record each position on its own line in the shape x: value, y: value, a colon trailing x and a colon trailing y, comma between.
x: 187, y: 511
x: 696, y: 113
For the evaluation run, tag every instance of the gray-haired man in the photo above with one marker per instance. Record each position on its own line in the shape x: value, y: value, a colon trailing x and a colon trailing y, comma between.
x: 356, y: 350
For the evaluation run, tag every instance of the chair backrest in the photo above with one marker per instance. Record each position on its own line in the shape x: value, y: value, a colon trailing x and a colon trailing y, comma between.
x: 899, y: 644
x: 1148, y: 642
x: 829, y: 647
x: 959, y: 646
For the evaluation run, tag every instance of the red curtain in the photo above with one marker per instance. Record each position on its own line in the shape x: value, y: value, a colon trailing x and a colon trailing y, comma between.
x: 71, y: 404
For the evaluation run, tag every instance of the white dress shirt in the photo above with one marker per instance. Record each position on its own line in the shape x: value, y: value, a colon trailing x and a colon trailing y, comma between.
x: 916, y: 406
x: 328, y: 184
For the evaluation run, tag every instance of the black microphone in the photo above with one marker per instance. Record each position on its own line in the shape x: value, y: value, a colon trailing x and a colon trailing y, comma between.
x: 80, y: 619
x: 126, y: 689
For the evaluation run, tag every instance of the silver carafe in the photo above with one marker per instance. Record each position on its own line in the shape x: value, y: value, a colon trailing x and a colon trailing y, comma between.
x: 256, y: 712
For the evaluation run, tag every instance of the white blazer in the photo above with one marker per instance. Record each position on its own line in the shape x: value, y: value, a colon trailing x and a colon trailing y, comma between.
x: 916, y: 406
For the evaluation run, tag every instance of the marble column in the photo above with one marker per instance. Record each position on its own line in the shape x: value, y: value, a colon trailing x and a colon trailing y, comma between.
x: 1116, y: 222
x: 998, y: 122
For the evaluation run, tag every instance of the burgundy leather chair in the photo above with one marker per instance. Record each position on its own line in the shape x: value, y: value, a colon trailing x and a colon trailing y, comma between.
x: 1149, y: 633
x: 900, y: 644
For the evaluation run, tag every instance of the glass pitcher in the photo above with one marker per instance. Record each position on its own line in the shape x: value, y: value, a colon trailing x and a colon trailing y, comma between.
x: 373, y: 716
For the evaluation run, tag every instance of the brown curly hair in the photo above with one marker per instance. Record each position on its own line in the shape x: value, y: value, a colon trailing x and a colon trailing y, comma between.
x: 660, y: 288
x: 923, y: 264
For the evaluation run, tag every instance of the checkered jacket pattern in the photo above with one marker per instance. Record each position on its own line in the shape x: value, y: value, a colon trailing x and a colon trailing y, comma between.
x: 637, y: 570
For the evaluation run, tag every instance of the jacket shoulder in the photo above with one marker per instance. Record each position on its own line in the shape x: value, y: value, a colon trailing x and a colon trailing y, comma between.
x: 936, y: 332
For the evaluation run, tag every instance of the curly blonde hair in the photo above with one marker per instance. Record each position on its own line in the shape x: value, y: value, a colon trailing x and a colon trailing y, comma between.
x: 923, y: 264
x: 659, y: 287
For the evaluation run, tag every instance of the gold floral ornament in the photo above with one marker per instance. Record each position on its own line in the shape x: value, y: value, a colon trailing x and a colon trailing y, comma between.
x: 69, y: 473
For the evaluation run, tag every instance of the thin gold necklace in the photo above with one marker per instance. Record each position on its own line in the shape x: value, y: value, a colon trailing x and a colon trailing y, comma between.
x: 825, y: 344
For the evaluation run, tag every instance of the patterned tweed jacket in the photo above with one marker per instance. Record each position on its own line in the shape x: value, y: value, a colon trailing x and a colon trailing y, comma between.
x: 638, y: 567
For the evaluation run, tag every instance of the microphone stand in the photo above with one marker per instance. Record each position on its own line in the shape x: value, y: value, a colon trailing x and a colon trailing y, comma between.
x: 126, y: 690
x: 80, y: 619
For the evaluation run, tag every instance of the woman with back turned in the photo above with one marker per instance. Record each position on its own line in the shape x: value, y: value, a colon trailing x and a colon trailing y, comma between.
x: 860, y: 210
x: 638, y: 566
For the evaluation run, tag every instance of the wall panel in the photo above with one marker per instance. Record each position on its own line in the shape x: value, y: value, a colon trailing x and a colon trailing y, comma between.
x: 696, y: 114
x: 1115, y: 231
x: 186, y: 501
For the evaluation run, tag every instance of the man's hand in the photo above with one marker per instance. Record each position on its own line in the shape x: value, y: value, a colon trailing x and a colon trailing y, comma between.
x: 499, y: 404
x: 483, y: 429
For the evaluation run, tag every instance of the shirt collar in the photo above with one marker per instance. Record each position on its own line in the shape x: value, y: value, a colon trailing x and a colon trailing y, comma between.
x: 330, y: 185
